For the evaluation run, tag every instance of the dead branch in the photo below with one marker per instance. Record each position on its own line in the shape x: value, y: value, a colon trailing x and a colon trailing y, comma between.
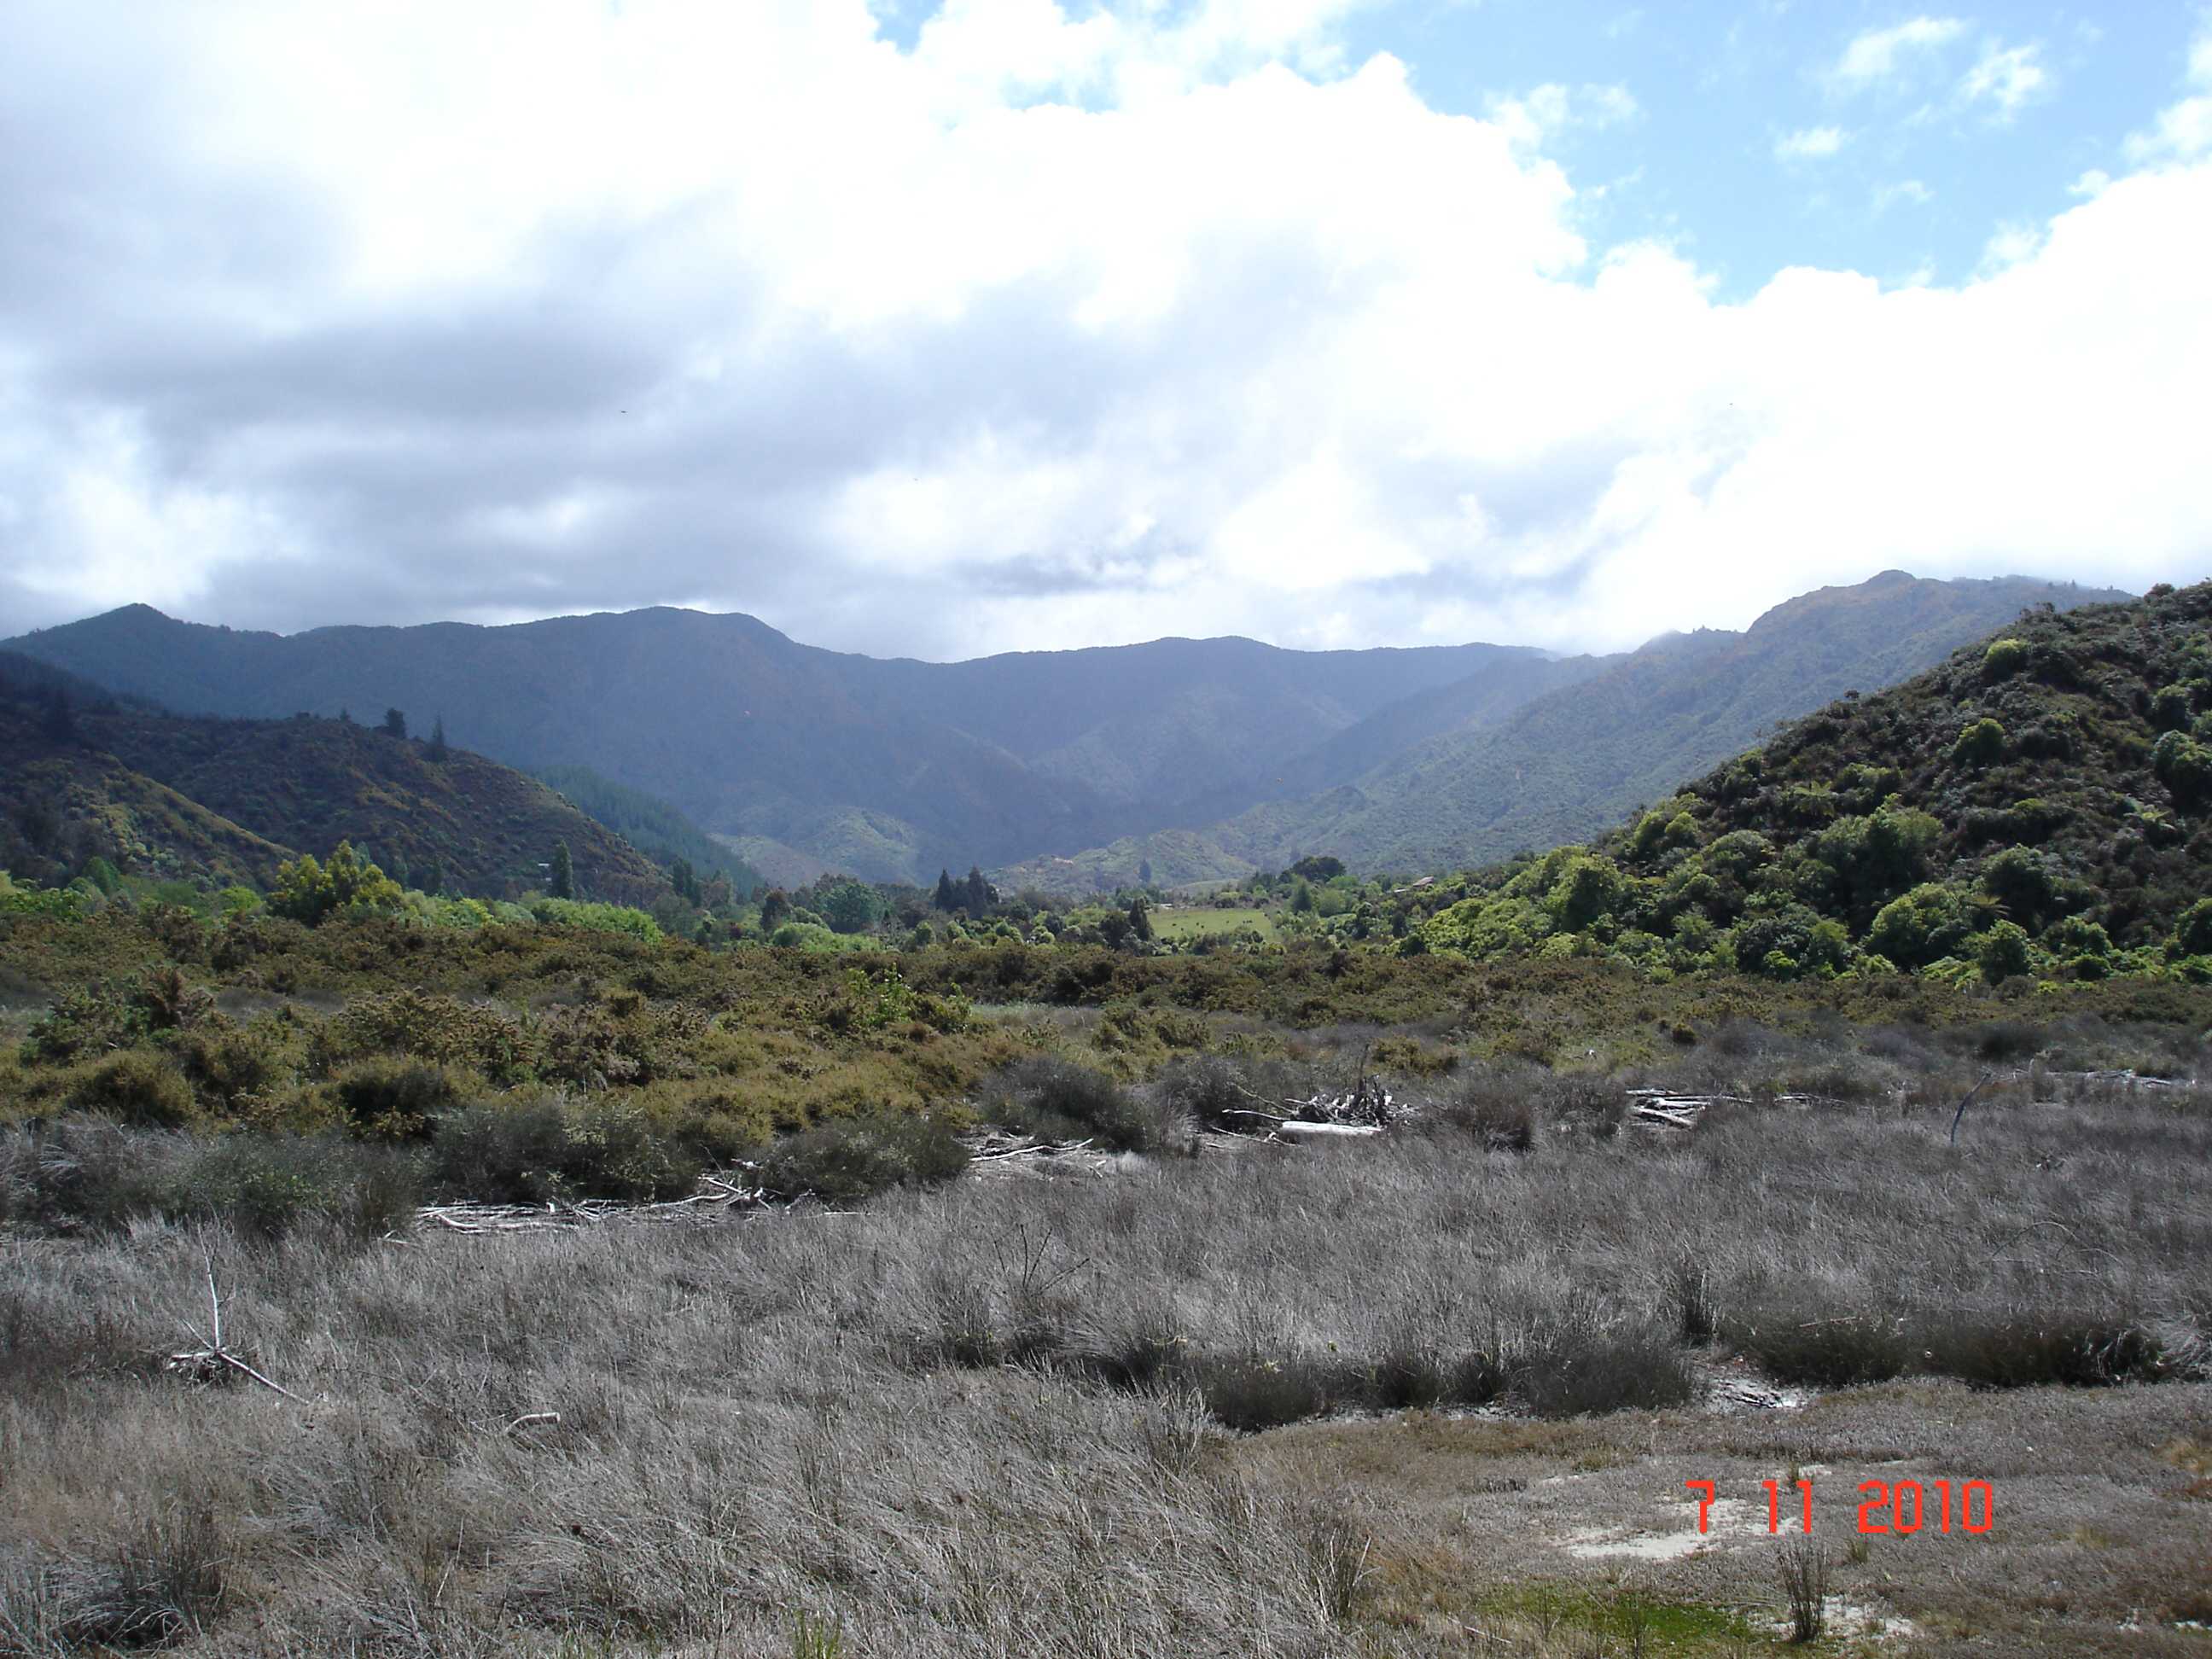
x: 1961, y: 1112
x: 205, y: 1363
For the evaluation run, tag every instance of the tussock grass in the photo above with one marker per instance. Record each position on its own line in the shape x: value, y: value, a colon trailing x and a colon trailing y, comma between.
x: 987, y: 1416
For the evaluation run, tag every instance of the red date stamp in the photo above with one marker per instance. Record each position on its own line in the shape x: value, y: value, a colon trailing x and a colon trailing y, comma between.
x: 1895, y: 1507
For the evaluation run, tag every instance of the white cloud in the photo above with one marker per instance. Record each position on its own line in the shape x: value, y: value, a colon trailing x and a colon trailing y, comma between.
x: 1063, y: 326
x: 1905, y: 190
x: 1539, y: 115
x: 2184, y: 130
x: 1810, y: 145
x: 2005, y: 76
x: 1880, y: 55
x: 2010, y: 244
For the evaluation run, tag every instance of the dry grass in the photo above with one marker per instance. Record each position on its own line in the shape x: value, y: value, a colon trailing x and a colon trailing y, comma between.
x: 989, y: 1417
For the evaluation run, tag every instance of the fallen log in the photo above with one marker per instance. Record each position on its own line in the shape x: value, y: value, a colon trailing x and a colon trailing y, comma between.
x: 1295, y: 1129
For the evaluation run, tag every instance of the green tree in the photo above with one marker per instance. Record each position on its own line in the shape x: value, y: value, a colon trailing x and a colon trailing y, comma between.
x: 2192, y: 933
x: 1920, y: 926
x: 348, y: 885
x: 948, y: 895
x: 395, y: 723
x: 1589, y: 887
x: 976, y: 895
x: 564, y: 872
x: 1979, y: 743
x: 2024, y: 883
x: 2002, y: 952
x: 848, y: 906
x: 686, y: 880
x: 775, y: 906
x: 1140, y: 919
x: 438, y: 750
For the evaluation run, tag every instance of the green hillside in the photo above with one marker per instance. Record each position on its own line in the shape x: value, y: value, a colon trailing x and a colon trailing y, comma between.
x: 1563, y: 765
x: 2036, y: 804
x: 656, y: 830
x: 891, y: 769
x: 219, y: 802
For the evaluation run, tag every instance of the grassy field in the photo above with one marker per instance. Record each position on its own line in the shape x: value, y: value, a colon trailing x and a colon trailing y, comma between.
x: 1257, y: 1400
x: 1203, y: 922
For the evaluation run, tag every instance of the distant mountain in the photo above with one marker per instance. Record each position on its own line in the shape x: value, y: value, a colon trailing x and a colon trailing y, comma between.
x: 2039, y: 802
x: 888, y: 768
x: 228, y: 800
x: 1561, y: 765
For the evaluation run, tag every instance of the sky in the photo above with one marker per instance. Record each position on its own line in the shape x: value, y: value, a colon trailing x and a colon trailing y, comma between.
x: 939, y: 330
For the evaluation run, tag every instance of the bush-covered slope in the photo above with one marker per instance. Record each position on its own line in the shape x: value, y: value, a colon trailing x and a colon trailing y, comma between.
x: 226, y: 801
x: 2038, y: 804
x: 653, y: 826
x: 891, y: 769
x: 1565, y: 764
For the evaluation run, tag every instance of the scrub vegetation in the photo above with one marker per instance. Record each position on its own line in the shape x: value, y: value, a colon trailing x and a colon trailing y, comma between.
x: 998, y: 1322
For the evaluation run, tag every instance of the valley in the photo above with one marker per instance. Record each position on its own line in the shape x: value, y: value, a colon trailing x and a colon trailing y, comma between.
x: 593, y: 1247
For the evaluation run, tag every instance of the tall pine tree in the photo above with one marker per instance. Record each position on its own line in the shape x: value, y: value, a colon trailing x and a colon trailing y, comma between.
x: 948, y: 895
x: 564, y: 872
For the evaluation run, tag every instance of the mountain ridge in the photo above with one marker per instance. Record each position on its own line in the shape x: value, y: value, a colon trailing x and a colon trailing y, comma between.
x: 1038, y: 763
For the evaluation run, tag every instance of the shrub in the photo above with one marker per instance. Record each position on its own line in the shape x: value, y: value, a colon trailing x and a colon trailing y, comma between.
x: 1208, y: 1088
x: 268, y: 1185
x: 2020, y: 1352
x: 2002, y: 952
x: 545, y: 1148
x: 1826, y: 1353
x: 137, y: 1087
x: 1057, y: 1099
x: 853, y: 1157
x: 2004, y: 658
x: 1804, y: 1568
x: 2185, y: 766
x: 1578, y: 1369
x: 161, y: 1583
x: 396, y: 1098
x: 97, y: 1174
x: 1250, y: 1392
x: 1979, y: 743
x: 1494, y: 1109
x: 2192, y: 933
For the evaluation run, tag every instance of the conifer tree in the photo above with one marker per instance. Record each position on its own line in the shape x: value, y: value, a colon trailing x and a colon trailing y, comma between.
x: 948, y: 895
x: 395, y: 723
x: 1140, y: 918
x: 564, y: 872
x: 438, y: 750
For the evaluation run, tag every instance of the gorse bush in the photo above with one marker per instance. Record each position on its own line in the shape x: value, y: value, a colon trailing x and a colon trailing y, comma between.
x: 398, y: 1098
x: 137, y: 1087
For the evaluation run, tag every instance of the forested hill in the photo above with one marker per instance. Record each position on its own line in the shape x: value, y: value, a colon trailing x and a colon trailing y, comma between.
x: 2041, y: 802
x: 1562, y: 766
x: 890, y: 770
x: 222, y: 801
x: 650, y: 824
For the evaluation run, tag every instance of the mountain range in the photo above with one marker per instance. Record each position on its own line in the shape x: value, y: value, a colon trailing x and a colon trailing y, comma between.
x: 1076, y: 769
